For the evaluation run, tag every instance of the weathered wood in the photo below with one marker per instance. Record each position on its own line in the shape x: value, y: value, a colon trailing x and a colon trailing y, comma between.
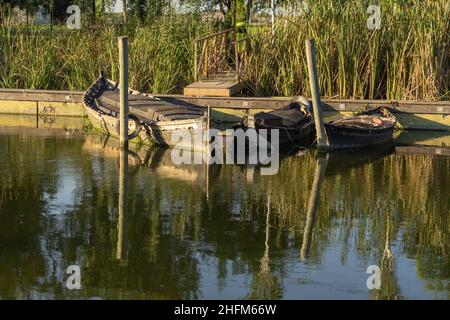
x: 263, y: 103
x: 342, y: 105
x: 322, y: 139
x: 213, y: 88
x: 195, y: 61
x: 206, y: 58
x: 40, y: 95
x: 123, y: 118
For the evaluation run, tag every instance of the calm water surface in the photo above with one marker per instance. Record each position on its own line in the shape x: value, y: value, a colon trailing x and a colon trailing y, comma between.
x: 219, y: 232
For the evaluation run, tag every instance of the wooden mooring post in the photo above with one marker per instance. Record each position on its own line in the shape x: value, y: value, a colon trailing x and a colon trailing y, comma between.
x: 322, y: 139
x: 123, y: 83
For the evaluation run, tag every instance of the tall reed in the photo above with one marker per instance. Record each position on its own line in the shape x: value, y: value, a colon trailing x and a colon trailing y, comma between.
x: 160, y: 57
x: 407, y: 58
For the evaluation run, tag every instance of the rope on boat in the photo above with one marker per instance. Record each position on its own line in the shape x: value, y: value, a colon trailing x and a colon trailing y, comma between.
x: 137, y: 126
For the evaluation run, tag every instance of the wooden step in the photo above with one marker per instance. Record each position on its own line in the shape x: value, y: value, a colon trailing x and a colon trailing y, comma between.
x: 213, y: 88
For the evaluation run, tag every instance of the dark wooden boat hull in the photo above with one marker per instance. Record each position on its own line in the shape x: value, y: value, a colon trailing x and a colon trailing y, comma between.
x: 293, y: 122
x: 299, y: 137
x: 360, y: 130
x: 345, y: 138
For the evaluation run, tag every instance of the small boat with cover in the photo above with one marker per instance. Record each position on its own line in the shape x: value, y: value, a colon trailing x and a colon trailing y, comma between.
x: 294, y: 122
x: 364, y: 129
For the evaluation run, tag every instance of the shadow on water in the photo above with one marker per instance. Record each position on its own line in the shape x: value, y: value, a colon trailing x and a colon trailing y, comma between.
x: 141, y: 227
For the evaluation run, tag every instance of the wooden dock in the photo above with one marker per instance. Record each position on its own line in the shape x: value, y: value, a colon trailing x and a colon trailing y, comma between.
x: 47, y: 103
x: 213, y: 88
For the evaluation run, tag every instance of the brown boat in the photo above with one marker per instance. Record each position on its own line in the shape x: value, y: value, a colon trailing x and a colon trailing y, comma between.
x: 151, y: 119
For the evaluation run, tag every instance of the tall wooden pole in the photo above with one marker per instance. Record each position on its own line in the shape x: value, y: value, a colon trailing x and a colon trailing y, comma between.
x: 123, y: 61
x: 322, y: 139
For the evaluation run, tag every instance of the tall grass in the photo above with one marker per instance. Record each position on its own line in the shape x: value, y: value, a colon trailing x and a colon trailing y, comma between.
x: 160, y: 55
x: 408, y: 58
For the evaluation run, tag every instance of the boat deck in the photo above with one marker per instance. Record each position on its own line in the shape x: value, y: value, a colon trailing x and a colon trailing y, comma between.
x: 148, y: 108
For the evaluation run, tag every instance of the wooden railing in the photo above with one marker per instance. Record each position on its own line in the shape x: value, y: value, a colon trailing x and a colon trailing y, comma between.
x: 220, y: 55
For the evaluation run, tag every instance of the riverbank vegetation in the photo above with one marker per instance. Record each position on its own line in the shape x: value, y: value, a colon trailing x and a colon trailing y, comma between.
x: 407, y: 58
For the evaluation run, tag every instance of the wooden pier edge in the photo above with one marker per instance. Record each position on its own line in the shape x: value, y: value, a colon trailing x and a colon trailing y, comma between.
x: 68, y: 103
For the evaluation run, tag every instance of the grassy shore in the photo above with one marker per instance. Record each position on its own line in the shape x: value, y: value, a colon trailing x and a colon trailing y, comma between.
x: 408, y: 58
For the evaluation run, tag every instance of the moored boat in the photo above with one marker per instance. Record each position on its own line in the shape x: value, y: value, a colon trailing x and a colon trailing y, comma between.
x: 294, y: 122
x: 364, y: 129
x: 150, y: 119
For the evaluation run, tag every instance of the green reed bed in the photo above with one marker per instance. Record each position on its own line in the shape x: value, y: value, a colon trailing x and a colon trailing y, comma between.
x: 407, y: 58
x: 160, y: 55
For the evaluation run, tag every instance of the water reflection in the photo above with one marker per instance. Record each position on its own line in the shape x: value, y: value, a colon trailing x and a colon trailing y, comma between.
x: 141, y: 227
x: 123, y: 186
x: 321, y: 164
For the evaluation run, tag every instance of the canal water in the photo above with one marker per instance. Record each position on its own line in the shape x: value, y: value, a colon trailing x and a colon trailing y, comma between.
x: 222, y: 231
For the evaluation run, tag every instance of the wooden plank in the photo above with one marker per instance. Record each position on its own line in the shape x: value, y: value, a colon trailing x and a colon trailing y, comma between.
x: 40, y: 95
x: 267, y: 103
x: 61, y: 109
x: 18, y: 107
x: 213, y: 88
x: 272, y: 103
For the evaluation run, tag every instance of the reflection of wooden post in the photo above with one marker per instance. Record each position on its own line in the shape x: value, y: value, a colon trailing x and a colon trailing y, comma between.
x: 123, y: 172
x: 319, y: 174
x: 123, y: 61
x: 37, y: 114
x: 322, y: 140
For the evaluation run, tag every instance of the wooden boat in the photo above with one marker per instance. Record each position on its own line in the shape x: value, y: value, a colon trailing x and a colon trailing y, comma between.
x: 294, y: 122
x: 364, y: 129
x: 151, y: 119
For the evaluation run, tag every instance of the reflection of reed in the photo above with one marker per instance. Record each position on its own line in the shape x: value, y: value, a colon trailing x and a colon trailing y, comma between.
x: 266, y: 283
x: 313, y: 204
x: 123, y: 172
x: 389, y: 289
x: 265, y: 267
